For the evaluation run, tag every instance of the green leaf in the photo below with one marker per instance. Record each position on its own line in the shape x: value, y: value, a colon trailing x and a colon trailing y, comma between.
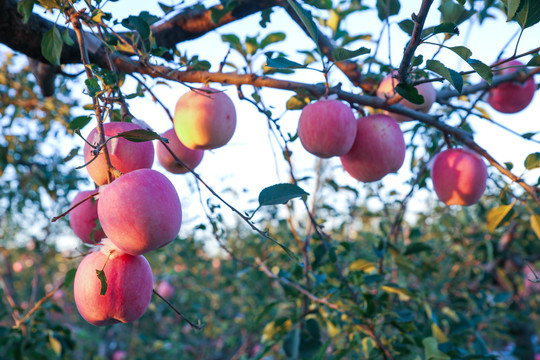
x: 234, y: 41
x: 410, y: 93
x: 387, y: 8
x: 431, y: 348
x: 280, y: 194
x: 103, y: 279
x: 417, y: 247
x: 462, y: 52
x: 511, y: 8
x: 265, y: 17
x: 272, y: 38
x: 446, y: 28
x: 25, y: 7
x: 79, y: 122
x: 282, y: 62
x: 496, y: 215
x: 307, y: 20
x: 451, y: 75
x: 93, y: 86
x: 407, y: 26
x: 529, y: 14
x: 68, y: 279
x: 535, y: 61
x: 340, y: 53
x: 532, y: 161
x: 67, y: 39
x: 51, y: 46
x: 74, y: 152
x: 482, y: 69
x: 139, y: 135
x: 165, y: 8
x: 535, y: 224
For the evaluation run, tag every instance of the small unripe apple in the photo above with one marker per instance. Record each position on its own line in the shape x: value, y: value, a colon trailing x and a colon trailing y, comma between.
x: 129, y: 287
x: 191, y: 157
x: 84, y: 218
x: 204, y: 119
x: 386, y: 90
x: 326, y: 128
x: 459, y: 177
x: 378, y: 149
x: 165, y: 289
x: 140, y: 211
x: 125, y: 155
x: 513, y: 96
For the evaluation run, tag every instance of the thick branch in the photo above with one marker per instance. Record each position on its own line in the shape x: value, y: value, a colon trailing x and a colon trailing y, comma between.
x: 189, y: 24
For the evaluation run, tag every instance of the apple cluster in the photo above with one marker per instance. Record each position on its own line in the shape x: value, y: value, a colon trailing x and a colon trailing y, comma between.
x: 139, y: 210
x: 373, y: 146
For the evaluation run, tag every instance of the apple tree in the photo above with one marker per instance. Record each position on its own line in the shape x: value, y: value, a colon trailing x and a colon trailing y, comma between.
x: 395, y: 226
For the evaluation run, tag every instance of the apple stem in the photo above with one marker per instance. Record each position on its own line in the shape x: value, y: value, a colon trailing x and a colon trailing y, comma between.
x: 195, y: 326
x: 54, y: 219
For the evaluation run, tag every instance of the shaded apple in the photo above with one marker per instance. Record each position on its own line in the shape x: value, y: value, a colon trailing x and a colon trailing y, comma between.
x: 140, y: 211
x: 84, y: 218
x: 378, y: 149
x: 326, y: 128
x: 386, y: 90
x: 125, y: 155
x: 129, y: 287
x: 513, y: 96
x: 120, y: 355
x: 204, y: 119
x: 191, y: 157
x: 459, y: 177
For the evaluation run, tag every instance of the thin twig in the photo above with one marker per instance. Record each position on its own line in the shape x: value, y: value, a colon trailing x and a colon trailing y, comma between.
x: 37, y: 306
x: 198, y: 327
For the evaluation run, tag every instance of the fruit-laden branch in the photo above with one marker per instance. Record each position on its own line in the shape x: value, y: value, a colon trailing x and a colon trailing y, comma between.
x: 189, y: 24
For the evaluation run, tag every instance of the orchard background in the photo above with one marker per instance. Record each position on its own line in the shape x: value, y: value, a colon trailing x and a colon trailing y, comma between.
x: 380, y: 270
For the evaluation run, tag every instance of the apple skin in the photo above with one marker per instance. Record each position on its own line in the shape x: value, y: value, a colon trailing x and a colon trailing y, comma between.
x: 190, y: 157
x: 386, y: 90
x: 120, y: 355
x: 82, y: 219
x: 326, y: 128
x: 165, y: 289
x: 125, y: 155
x: 511, y: 97
x: 459, y: 177
x: 378, y: 149
x: 129, y: 288
x: 204, y: 119
x: 140, y: 211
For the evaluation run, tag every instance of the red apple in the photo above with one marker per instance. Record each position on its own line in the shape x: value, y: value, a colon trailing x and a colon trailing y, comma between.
x: 84, y: 219
x: 125, y: 155
x: 386, y: 90
x: 120, y: 355
x: 511, y: 97
x: 129, y: 287
x: 327, y: 128
x: 190, y: 157
x: 140, y: 211
x: 204, y: 119
x: 165, y: 289
x: 378, y: 149
x: 459, y: 177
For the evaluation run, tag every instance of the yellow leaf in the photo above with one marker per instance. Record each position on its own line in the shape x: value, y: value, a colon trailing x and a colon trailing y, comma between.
x: 362, y: 265
x: 56, y: 345
x: 535, y: 224
x: 367, y: 345
x: 438, y: 333
x: 404, y: 294
x: 332, y: 330
x: 496, y: 215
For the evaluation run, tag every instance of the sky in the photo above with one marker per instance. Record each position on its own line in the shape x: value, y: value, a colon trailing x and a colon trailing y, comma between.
x: 239, y: 170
